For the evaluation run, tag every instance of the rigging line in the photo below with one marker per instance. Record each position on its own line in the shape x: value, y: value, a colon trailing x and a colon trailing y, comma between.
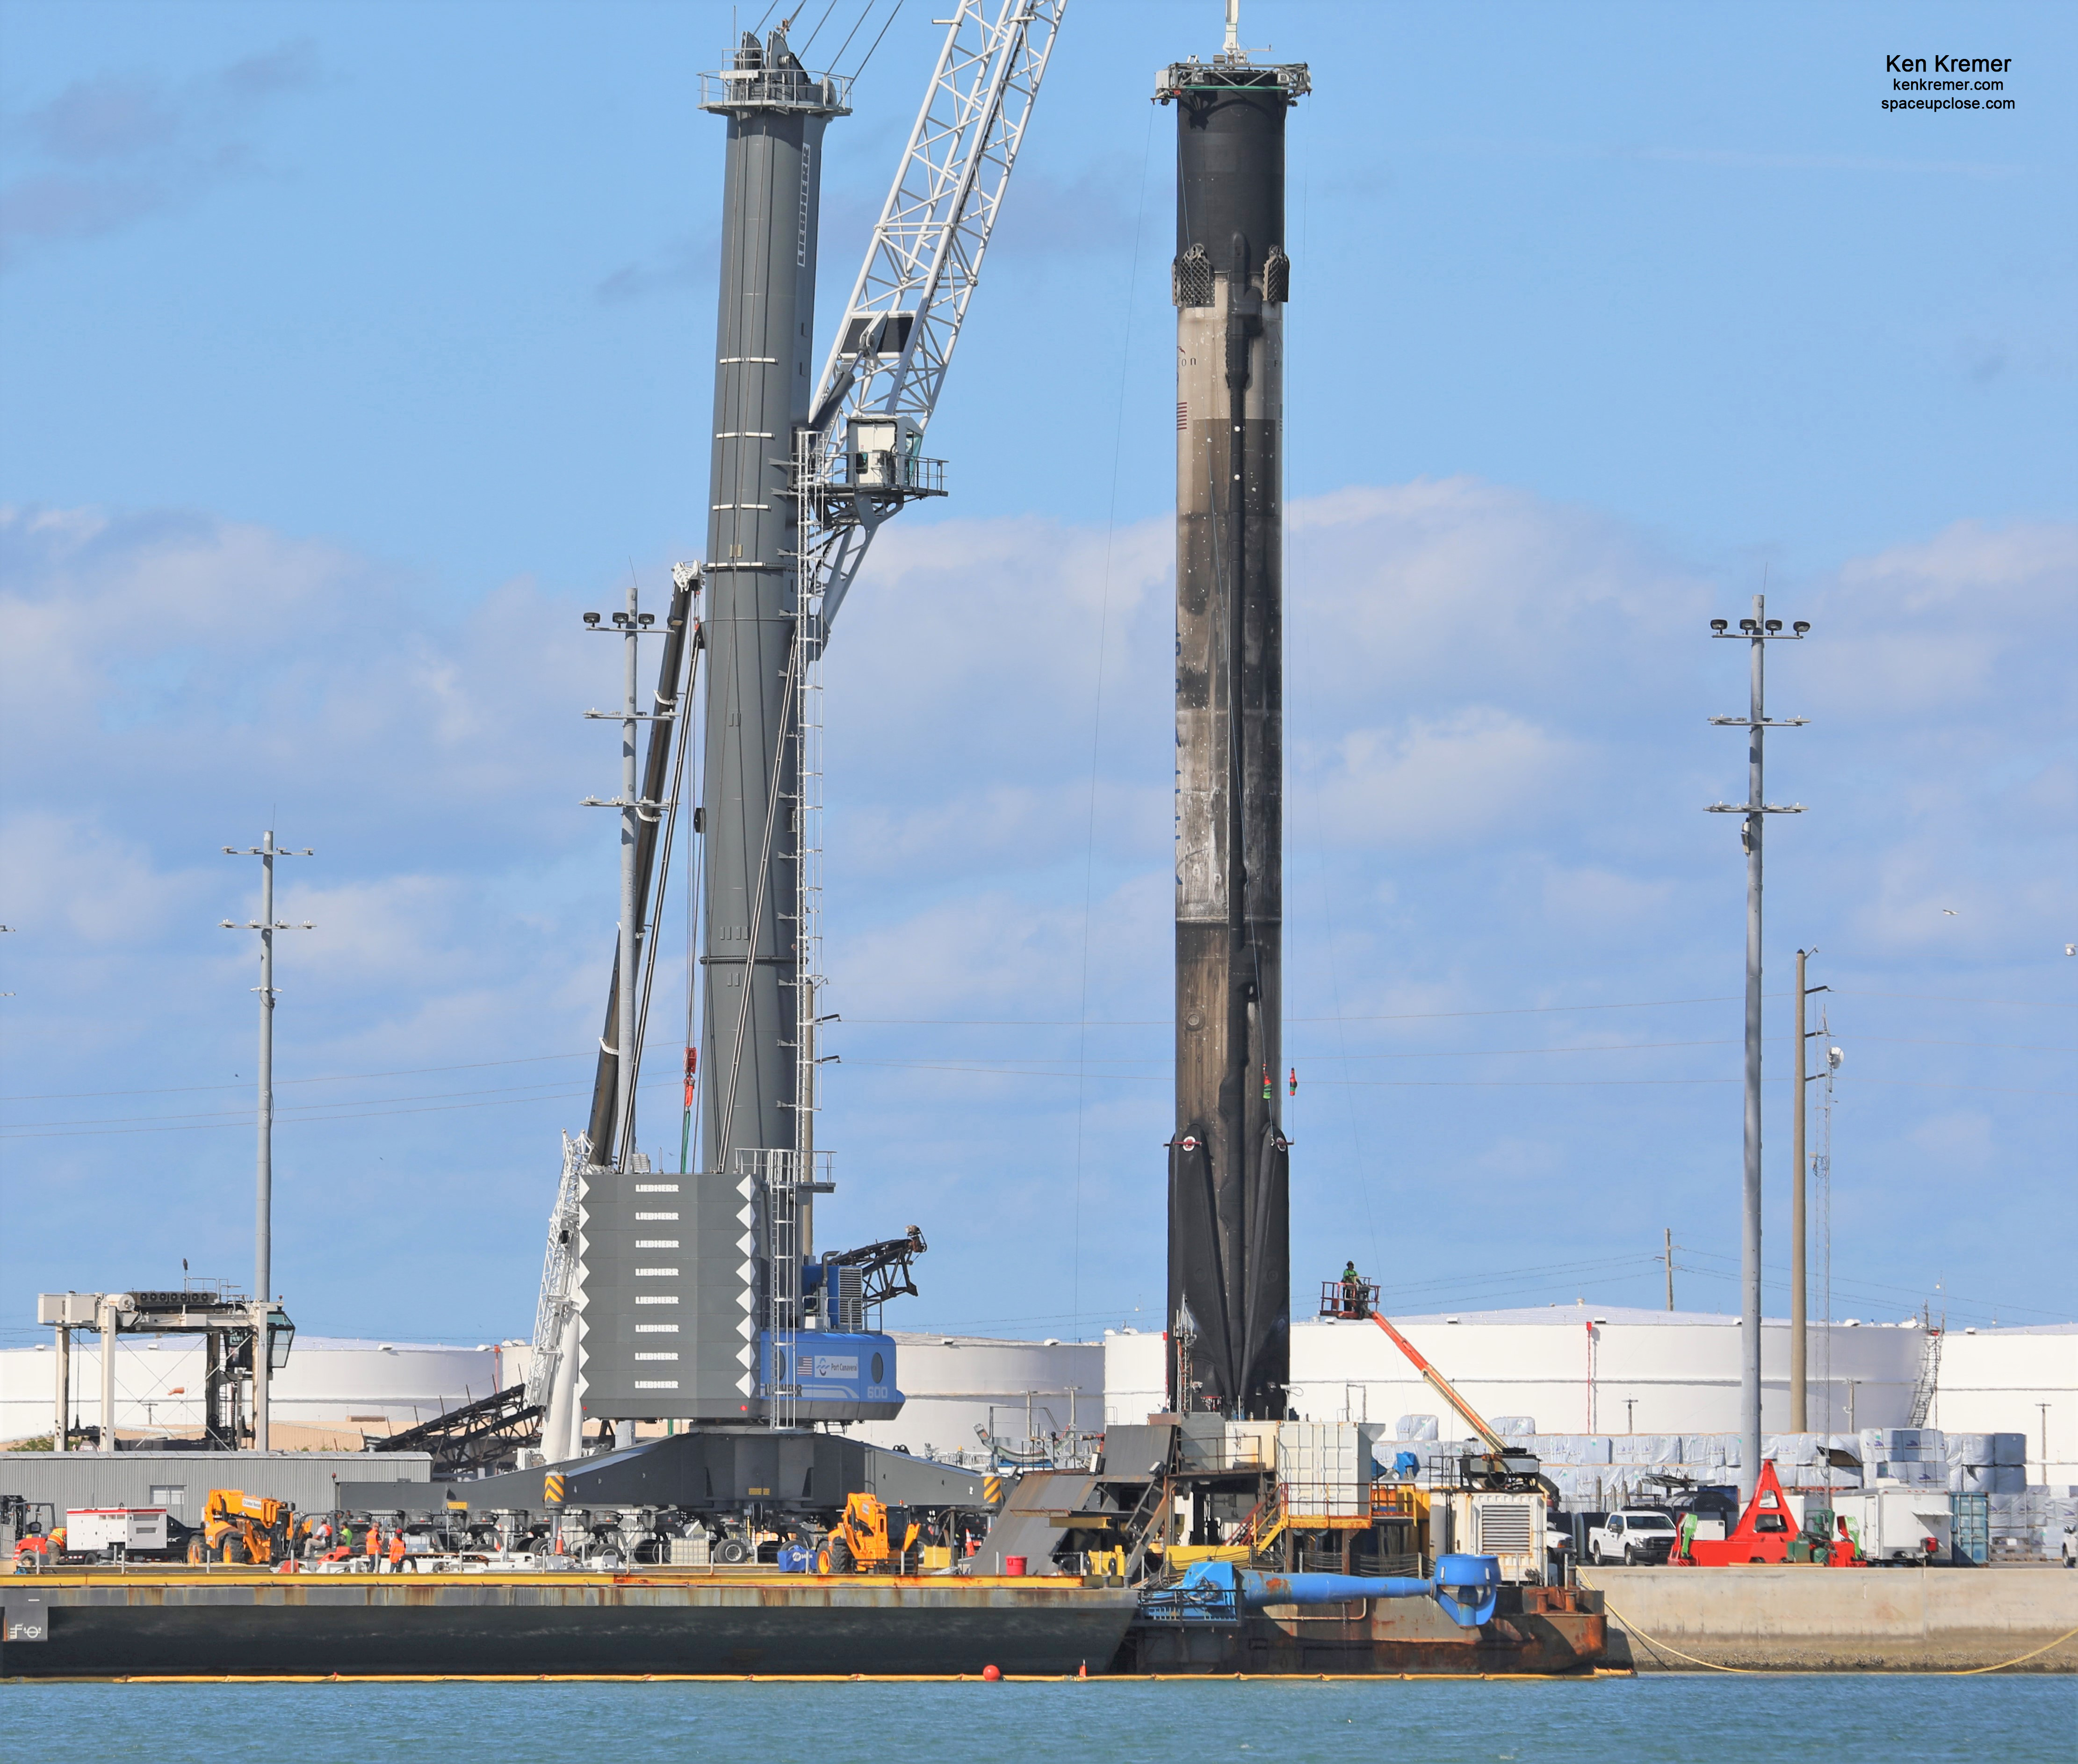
x: 866, y: 13
x: 1096, y: 712
x: 859, y: 72
x: 802, y: 53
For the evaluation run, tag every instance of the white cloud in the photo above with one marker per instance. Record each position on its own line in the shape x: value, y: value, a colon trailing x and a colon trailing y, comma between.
x: 1498, y: 760
x: 1434, y: 780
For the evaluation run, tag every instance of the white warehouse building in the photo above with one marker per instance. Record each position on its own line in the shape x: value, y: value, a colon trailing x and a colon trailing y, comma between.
x: 1566, y: 1369
x: 1609, y: 1370
x: 332, y: 1387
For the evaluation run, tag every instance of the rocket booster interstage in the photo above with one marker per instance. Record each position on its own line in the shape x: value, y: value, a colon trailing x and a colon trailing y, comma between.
x: 1229, y: 1299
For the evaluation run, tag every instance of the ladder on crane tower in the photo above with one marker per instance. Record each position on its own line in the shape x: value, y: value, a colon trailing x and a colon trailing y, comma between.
x: 859, y: 460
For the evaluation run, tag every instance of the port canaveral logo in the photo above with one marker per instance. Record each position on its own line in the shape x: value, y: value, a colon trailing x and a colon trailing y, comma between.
x: 830, y: 1365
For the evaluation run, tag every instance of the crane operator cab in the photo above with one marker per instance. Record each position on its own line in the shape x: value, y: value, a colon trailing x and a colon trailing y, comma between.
x: 886, y: 453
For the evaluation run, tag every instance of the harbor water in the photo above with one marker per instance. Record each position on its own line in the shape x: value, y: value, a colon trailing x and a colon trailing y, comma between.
x: 1705, y: 1719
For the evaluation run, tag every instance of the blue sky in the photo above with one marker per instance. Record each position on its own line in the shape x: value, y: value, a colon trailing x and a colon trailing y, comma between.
x: 348, y: 352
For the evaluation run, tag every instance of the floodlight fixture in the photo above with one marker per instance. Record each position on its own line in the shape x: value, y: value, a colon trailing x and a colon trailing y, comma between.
x: 1720, y: 626
x: 1801, y: 626
x: 591, y: 619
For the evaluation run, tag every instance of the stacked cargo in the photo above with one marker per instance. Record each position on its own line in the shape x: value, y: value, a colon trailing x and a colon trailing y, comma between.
x: 1987, y: 1463
x: 1599, y: 1472
x: 2029, y: 1525
x: 1904, y: 1457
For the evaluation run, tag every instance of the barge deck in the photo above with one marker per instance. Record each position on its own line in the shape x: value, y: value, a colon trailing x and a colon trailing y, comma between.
x: 245, y: 1622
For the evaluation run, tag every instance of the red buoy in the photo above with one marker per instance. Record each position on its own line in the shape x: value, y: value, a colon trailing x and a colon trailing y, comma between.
x: 990, y: 1674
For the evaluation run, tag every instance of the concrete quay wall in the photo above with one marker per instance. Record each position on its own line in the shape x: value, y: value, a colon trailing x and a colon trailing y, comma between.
x: 1840, y: 1620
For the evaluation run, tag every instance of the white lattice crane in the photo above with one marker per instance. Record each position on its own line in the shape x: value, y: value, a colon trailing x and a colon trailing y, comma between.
x: 887, y: 363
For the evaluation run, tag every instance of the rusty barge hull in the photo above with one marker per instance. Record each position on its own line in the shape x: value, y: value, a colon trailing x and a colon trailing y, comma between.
x: 1536, y: 1630
x: 194, y: 1625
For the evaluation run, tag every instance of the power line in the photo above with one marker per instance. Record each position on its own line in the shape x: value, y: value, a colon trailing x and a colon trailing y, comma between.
x: 336, y: 1077
x: 1935, y: 998
x: 1868, y: 1287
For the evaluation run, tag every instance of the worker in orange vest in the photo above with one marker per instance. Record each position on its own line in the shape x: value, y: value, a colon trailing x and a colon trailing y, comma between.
x: 374, y: 1547
x: 397, y: 1552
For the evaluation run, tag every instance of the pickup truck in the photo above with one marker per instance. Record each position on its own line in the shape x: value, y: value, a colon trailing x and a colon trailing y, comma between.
x: 1635, y: 1538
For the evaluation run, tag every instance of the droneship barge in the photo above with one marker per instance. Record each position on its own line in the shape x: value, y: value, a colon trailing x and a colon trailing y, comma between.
x: 236, y: 1622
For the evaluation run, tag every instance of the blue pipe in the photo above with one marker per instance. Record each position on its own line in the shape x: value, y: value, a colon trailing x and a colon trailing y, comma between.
x: 1466, y: 1586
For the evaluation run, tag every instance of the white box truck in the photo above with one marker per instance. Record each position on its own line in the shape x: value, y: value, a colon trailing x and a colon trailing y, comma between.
x: 1898, y: 1524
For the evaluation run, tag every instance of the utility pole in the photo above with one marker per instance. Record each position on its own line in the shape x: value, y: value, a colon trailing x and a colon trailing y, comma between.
x: 263, y: 1221
x: 1670, y: 1267
x: 1757, y: 631
x: 1800, y: 1308
x: 631, y: 826
x: 1799, y: 1321
x: 630, y: 626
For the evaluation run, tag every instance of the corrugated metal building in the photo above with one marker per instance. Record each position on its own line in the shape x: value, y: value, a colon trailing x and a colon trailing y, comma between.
x: 179, y: 1482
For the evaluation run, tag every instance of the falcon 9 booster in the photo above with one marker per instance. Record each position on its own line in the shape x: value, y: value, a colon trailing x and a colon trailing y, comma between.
x: 1229, y: 1300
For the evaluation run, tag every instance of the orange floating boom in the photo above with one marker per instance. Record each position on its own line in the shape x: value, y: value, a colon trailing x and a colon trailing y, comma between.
x: 1443, y: 1386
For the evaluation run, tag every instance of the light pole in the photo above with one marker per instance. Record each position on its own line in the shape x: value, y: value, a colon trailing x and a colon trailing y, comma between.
x: 1758, y: 632
x: 263, y: 1226
x: 632, y: 626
